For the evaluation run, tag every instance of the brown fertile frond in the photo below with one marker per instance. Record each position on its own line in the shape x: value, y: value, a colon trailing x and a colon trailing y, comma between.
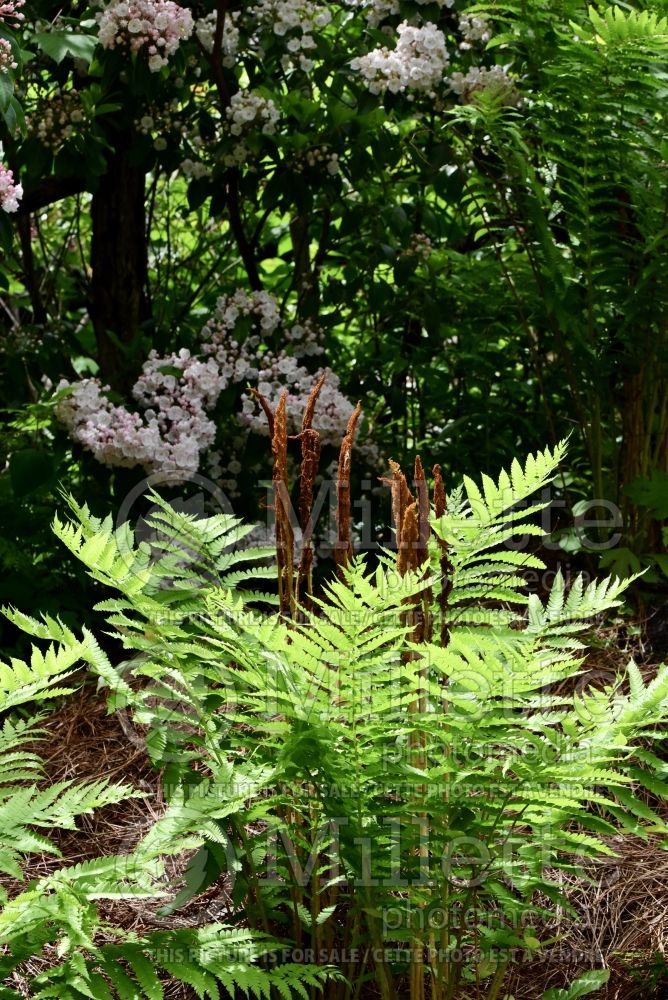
x: 308, y: 471
x: 309, y: 409
x: 284, y: 534
x: 310, y: 441
x: 262, y: 400
x: 424, y: 630
x: 410, y: 533
x: 422, y: 491
x: 401, y: 499
x: 279, y: 439
x: 343, y: 550
x: 440, y: 502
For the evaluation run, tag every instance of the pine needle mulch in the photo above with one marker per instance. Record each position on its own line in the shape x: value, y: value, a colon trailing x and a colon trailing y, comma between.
x: 84, y: 742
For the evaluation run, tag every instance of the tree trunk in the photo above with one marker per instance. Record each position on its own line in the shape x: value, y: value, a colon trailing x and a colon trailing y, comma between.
x: 119, y: 258
x: 644, y: 448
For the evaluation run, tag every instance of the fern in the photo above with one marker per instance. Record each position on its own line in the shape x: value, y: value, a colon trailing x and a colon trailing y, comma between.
x: 480, y: 523
x: 630, y: 28
x: 344, y: 767
x: 216, y: 960
x: 569, y: 197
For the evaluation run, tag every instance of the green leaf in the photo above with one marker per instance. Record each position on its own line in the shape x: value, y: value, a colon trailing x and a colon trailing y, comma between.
x: 587, y: 983
x: 622, y: 562
x: 58, y: 44
x: 651, y: 492
x: 6, y: 91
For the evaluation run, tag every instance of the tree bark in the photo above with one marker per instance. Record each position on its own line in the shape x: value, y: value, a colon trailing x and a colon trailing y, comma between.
x: 119, y: 306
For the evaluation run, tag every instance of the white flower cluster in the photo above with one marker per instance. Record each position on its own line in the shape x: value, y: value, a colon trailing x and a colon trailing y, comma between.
x: 479, y: 79
x: 261, y: 306
x: 205, y: 29
x: 175, y: 393
x: 177, y: 378
x: 247, y: 111
x: 242, y: 362
x: 417, y: 62
x: 10, y: 10
x: 158, y: 26
x: 316, y: 157
x: 306, y: 339
x: 377, y: 11
x: 171, y: 432
x: 194, y: 168
x: 301, y: 20
x: 473, y: 29
x: 158, y: 121
x: 237, y: 155
x: 420, y: 246
x: 283, y: 371
x: 10, y: 193
x: 7, y: 60
x: 57, y: 119
x: 115, y: 436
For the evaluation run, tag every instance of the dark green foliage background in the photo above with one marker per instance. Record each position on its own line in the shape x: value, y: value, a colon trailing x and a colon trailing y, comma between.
x: 541, y: 310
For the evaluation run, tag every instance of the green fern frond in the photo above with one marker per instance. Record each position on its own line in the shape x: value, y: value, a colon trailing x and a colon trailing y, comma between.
x: 513, y: 487
x: 615, y: 26
x: 21, y: 682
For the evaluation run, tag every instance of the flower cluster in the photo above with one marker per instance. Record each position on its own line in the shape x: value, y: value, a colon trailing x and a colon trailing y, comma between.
x: 194, y: 168
x: 283, y: 371
x: 479, y: 79
x: 473, y: 29
x: 178, y: 379
x: 57, y: 119
x: 298, y: 19
x: 7, y: 60
x: 205, y: 29
x: 247, y: 111
x: 175, y: 394
x: 159, y: 120
x: 239, y: 362
x: 305, y: 339
x: 10, y: 193
x: 172, y: 431
x: 114, y: 435
x: 230, y: 309
x: 157, y: 26
x: 236, y: 156
x: 420, y: 246
x: 317, y: 157
x: 10, y: 10
x: 417, y: 62
x: 377, y: 11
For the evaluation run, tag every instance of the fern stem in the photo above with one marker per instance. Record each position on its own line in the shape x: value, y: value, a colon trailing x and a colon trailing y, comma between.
x: 497, y: 981
x: 253, y: 879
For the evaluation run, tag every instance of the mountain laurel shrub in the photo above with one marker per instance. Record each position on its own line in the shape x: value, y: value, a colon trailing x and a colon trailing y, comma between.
x: 390, y: 782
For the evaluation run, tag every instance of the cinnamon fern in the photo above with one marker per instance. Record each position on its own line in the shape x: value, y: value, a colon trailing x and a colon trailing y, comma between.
x: 358, y: 783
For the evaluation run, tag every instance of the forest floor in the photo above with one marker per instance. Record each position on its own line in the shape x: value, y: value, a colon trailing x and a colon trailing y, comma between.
x: 619, y: 918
